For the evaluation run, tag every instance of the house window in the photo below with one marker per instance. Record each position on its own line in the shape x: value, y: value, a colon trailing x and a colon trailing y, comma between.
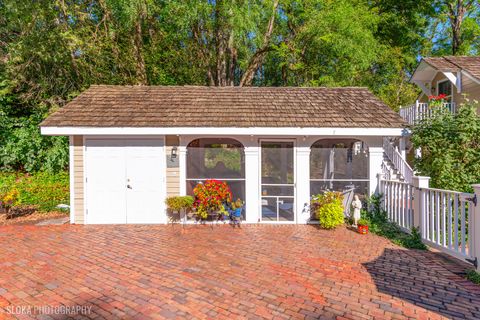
x: 445, y: 87
x: 216, y: 158
x: 339, y: 165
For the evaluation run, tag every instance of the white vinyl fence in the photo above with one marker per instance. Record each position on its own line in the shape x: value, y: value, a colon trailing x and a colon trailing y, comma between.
x: 447, y: 220
x: 398, y: 202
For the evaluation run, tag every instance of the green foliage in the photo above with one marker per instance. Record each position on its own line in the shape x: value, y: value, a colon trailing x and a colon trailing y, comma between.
x: 43, y: 190
x: 450, y: 148
x: 473, y: 276
x: 379, y: 224
x: 363, y: 222
x: 179, y: 203
x: 329, y: 209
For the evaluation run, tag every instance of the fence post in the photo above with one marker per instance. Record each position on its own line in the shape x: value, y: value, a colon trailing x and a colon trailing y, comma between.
x: 476, y: 226
x: 418, y: 182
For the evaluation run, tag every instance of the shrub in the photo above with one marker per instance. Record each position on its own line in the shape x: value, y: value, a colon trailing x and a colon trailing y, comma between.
x: 180, y: 202
x: 450, y: 148
x: 328, y: 208
x: 211, y: 196
x: 473, y: 276
x: 379, y: 224
x: 43, y: 190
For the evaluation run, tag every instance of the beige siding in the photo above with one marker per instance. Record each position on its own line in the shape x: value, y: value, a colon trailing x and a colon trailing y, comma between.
x: 470, y: 89
x: 78, y: 179
x: 173, y: 173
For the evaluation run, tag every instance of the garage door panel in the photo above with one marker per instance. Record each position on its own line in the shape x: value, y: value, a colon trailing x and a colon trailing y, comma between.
x: 145, y: 177
x: 114, y: 164
x: 105, y: 186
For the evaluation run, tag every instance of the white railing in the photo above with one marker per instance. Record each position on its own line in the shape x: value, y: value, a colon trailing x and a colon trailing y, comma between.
x: 398, y: 202
x: 420, y: 111
x: 398, y: 161
x: 445, y: 220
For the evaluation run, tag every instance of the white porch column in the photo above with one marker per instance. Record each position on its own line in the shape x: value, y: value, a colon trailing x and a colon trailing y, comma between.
x: 182, y: 162
x: 418, y: 182
x: 476, y: 227
x: 303, y: 184
x: 252, y: 184
x: 375, y: 158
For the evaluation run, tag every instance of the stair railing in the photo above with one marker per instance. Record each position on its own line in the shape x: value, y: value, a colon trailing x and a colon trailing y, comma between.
x: 398, y: 161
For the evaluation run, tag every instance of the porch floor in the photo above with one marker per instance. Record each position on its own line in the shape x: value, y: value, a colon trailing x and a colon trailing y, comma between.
x: 258, y: 271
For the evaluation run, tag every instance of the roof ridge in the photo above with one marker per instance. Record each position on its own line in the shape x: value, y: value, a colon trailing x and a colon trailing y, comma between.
x: 224, y: 87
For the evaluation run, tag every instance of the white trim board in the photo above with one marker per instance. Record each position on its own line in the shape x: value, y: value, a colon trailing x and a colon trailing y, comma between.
x: 265, y: 131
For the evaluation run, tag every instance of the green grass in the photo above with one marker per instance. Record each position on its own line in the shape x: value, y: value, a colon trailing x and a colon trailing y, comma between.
x: 43, y: 190
x: 473, y: 276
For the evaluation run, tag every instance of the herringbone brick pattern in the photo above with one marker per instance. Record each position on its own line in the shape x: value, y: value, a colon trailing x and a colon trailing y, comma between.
x: 256, y: 272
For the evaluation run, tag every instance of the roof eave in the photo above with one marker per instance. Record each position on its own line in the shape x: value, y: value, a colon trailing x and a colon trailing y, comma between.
x: 246, y: 131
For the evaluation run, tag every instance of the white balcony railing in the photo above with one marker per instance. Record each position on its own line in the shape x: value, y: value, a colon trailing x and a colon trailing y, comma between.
x: 420, y: 111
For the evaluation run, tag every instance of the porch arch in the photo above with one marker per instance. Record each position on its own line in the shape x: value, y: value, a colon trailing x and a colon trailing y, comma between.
x: 216, y: 158
x: 339, y: 164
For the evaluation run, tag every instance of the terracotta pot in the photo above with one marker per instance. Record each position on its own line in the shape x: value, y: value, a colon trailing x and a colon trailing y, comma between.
x: 362, y: 229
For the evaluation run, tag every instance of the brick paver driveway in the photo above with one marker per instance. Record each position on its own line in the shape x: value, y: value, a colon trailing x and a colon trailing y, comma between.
x: 135, y: 272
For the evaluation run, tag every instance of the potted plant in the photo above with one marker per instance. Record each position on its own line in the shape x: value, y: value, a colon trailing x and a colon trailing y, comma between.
x: 211, y: 198
x: 178, y: 205
x: 362, y: 226
x: 328, y: 208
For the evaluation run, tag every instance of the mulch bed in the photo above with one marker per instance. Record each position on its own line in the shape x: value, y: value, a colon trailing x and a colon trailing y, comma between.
x: 29, y: 216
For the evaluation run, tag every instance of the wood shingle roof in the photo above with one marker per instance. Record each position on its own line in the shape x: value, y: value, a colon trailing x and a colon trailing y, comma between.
x: 190, y: 106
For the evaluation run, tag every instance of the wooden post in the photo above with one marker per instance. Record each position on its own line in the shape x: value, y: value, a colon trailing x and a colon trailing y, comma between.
x: 476, y: 226
x: 418, y: 182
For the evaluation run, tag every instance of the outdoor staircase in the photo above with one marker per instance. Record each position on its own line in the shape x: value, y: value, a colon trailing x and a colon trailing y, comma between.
x: 394, y: 166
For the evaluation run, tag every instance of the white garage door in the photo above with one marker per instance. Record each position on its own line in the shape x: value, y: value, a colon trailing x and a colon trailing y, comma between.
x: 124, y: 181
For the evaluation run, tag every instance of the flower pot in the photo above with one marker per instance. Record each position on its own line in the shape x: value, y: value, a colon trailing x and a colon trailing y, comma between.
x: 362, y: 229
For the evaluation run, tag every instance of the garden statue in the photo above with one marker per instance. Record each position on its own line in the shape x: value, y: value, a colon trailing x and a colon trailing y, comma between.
x: 357, y: 205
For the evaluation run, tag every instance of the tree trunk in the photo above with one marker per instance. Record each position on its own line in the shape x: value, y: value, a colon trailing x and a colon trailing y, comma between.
x: 456, y: 13
x: 141, y: 73
x: 260, y: 54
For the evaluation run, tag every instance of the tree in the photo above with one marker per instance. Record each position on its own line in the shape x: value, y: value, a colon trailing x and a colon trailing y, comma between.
x: 456, y: 28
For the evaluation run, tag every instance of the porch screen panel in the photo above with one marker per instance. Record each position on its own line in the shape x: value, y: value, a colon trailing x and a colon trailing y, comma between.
x: 216, y: 158
x: 339, y: 165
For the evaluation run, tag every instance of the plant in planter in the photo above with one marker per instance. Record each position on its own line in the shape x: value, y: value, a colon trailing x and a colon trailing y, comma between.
x: 211, y: 197
x: 328, y: 208
x: 362, y: 226
x: 179, y: 205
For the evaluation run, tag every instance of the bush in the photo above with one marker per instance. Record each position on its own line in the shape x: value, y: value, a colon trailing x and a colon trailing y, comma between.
x: 180, y: 202
x: 473, y: 276
x: 23, y: 148
x: 43, y: 190
x: 450, y: 148
x: 328, y: 208
x: 379, y: 224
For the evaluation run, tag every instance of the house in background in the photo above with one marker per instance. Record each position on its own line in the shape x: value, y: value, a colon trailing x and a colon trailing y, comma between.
x: 131, y: 147
x: 457, y: 77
